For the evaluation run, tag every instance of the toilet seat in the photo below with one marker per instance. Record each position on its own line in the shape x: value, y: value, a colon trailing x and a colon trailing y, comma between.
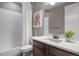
x: 26, y: 48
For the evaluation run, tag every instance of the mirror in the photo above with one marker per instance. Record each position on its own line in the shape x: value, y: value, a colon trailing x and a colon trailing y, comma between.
x: 72, y: 19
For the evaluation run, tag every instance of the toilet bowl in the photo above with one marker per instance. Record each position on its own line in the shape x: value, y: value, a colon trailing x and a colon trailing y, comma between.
x: 27, y: 50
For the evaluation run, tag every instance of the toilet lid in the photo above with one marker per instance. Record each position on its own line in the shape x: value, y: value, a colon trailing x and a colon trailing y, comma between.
x: 26, y: 47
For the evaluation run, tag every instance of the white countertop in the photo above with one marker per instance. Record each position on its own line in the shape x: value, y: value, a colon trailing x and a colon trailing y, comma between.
x: 68, y: 46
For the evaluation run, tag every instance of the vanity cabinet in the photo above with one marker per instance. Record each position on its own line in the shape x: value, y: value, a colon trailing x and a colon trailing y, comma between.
x: 41, y: 49
x: 57, y: 52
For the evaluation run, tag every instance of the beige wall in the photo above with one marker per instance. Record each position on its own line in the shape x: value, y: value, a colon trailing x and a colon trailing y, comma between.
x: 37, y: 6
x: 56, y: 19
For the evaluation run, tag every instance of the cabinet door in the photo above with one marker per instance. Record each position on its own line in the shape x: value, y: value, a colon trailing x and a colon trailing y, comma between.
x: 53, y: 51
x: 37, y: 51
x: 39, y: 48
x: 39, y: 44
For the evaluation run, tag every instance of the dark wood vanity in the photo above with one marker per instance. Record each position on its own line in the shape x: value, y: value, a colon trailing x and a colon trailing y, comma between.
x: 41, y: 49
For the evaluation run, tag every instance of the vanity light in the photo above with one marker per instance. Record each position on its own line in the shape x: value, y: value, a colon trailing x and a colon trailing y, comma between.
x: 52, y: 3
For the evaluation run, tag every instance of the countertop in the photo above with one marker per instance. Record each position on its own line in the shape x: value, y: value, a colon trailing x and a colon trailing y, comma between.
x: 72, y: 47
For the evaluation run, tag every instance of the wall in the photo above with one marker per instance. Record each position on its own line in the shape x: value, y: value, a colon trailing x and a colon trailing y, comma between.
x: 56, y: 18
x: 36, y: 7
x: 72, y: 19
x: 10, y: 27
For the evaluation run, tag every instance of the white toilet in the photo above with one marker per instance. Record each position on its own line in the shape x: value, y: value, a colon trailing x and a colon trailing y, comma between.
x: 27, y: 50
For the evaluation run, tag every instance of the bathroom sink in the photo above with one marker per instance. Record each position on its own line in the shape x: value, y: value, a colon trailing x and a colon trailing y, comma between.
x: 55, y: 40
x: 44, y: 37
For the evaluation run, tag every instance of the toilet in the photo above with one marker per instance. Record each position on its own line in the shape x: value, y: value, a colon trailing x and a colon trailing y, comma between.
x: 27, y: 50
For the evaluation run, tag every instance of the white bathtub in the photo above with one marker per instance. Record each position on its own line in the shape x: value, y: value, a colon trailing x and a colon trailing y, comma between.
x: 11, y: 52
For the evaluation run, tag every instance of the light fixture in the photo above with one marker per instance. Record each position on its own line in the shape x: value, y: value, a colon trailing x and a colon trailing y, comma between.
x: 52, y: 3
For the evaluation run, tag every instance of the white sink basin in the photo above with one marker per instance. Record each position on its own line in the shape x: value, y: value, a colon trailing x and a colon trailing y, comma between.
x: 55, y: 40
x: 44, y: 37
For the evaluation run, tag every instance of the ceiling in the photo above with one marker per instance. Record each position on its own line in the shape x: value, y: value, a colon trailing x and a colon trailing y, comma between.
x: 20, y: 3
x: 47, y: 6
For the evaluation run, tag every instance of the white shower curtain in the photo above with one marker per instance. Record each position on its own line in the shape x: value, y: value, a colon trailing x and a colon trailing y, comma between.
x: 27, y: 22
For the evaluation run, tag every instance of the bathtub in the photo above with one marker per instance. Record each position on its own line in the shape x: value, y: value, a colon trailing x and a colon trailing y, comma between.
x: 11, y: 52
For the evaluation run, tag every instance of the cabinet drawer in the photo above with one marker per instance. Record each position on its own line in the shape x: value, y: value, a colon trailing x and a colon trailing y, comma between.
x: 58, y: 52
x: 39, y: 45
